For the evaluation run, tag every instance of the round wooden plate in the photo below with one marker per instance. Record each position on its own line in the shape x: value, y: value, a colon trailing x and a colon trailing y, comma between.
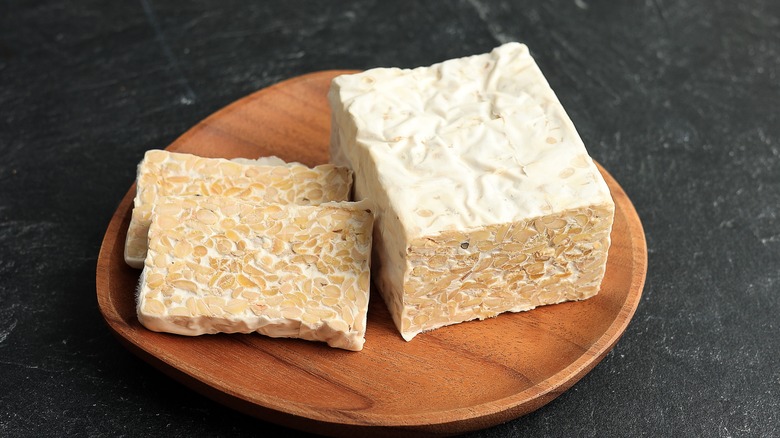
x: 452, y: 380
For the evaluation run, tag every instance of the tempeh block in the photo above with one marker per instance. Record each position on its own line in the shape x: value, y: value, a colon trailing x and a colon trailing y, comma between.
x: 219, y: 264
x: 486, y: 198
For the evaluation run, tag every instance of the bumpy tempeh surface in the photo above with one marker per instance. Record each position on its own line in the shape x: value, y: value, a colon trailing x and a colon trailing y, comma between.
x: 218, y: 264
x: 486, y: 198
x: 460, y: 276
x: 163, y: 173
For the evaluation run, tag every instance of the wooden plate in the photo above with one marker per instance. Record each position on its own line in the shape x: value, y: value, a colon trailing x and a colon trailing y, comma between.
x: 452, y: 380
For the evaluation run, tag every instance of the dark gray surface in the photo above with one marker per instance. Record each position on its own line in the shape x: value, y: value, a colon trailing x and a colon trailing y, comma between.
x: 678, y: 100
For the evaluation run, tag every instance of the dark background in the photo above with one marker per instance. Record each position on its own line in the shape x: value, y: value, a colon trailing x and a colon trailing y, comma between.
x: 677, y: 99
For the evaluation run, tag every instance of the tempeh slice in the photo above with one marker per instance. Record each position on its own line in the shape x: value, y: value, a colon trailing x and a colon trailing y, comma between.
x: 163, y: 173
x: 218, y: 264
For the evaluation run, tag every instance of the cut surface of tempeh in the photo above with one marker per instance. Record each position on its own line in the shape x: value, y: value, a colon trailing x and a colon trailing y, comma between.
x: 486, y: 198
x: 162, y: 173
x: 222, y: 265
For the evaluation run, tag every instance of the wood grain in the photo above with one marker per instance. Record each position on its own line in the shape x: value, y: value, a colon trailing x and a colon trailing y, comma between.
x: 452, y: 380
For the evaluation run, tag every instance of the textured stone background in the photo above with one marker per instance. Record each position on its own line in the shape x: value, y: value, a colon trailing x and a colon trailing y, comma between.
x: 677, y: 99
